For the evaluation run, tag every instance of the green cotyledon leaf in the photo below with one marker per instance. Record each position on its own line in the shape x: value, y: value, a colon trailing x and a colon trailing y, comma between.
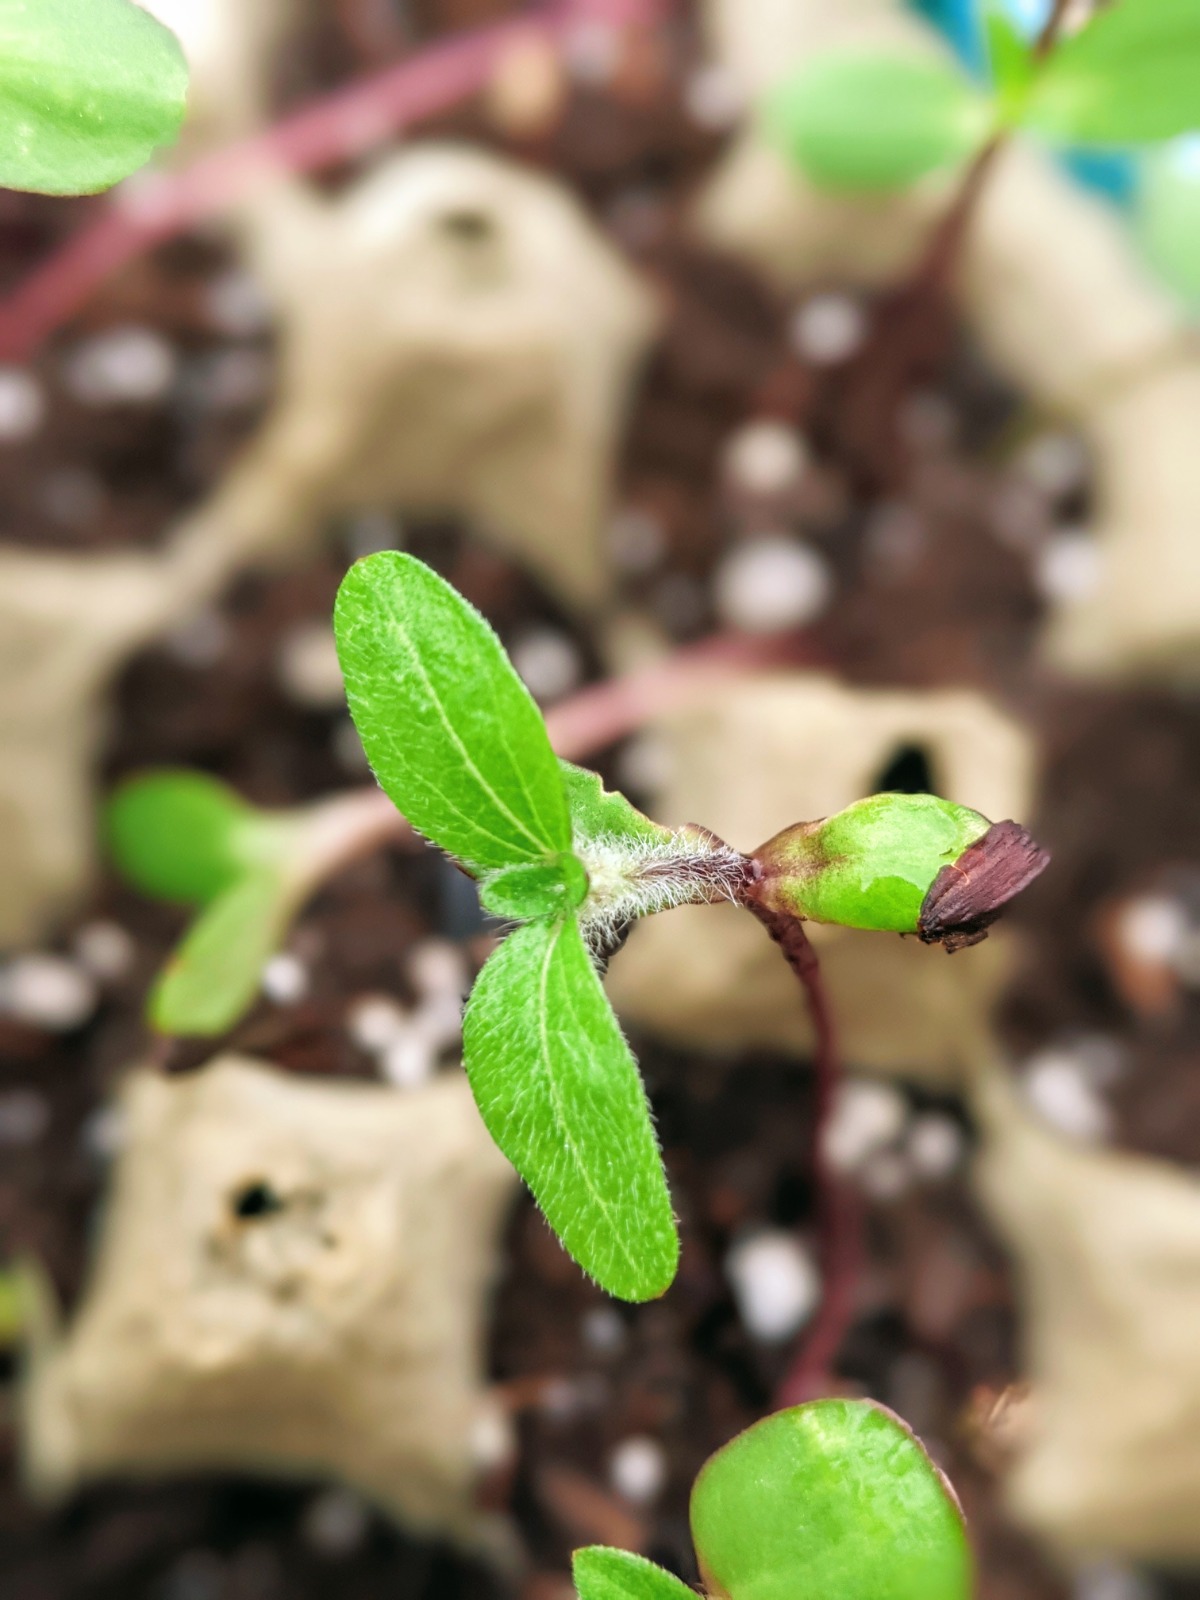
x: 872, y: 120
x: 869, y: 865
x: 89, y: 89
x: 1131, y: 74
x: 182, y: 835
x: 835, y: 1500
x: 213, y: 976
x: 560, y: 1094
x: 602, y: 1573
x: 451, y: 732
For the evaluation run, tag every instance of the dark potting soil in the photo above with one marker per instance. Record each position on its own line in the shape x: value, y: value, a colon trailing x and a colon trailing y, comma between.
x: 934, y: 555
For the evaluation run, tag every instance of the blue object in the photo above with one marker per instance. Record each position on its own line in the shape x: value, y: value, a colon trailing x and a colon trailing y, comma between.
x: 958, y: 20
x: 1112, y: 173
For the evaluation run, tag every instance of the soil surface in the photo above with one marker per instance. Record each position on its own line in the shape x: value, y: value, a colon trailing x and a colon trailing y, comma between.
x: 936, y: 538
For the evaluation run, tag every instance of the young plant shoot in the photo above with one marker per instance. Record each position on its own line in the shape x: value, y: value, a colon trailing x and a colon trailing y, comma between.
x: 89, y: 89
x: 835, y: 1500
x: 870, y: 120
x: 187, y: 838
x: 459, y: 746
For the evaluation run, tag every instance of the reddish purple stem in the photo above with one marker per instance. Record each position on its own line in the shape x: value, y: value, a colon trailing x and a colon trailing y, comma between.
x: 810, y: 1372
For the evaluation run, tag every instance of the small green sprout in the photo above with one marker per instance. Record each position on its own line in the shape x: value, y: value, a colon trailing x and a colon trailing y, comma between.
x: 187, y: 838
x: 458, y: 745
x: 89, y: 89
x: 833, y: 1499
x: 877, y: 120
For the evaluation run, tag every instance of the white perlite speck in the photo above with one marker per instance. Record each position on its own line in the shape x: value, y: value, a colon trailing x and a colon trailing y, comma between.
x: 22, y: 404
x: 285, y: 979
x: 828, y: 329
x: 1069, y: 567
x: 1059, y: 1089
x: 308, y: 669
x: 47, y: 992
x: 775, y: 1283
x: 765, y: 457
x: 638, y: 1469
x: 127, y: 366
x: 772, y: 583
x: 867, y: 1116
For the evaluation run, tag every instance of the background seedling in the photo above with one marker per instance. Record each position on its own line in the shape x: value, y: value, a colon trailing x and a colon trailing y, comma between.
x: 185, y: 837
x: 835, y: 1499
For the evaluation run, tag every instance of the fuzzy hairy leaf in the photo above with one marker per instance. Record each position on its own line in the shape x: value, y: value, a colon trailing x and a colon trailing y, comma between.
x: 560, y: 1094
x: 89, y: 89
x: 872, y: 120
x: 213, y: 975
x: 601, y: 1573
x: 833, y: 1499
x: 451, y: 732
x: 1130, y: 75
x: 536, y: 889
x: 600, y: 813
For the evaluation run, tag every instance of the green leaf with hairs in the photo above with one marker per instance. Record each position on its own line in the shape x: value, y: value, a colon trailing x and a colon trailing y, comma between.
x: 871, y: 120
x: 535, y: 889
x: 600, y: 813
x: 89, y: 89
x: 560, y: 1094
x: 453, y: 735
x: 835, y: 1501
x: 601, y: 1573
x: 1130, y: 75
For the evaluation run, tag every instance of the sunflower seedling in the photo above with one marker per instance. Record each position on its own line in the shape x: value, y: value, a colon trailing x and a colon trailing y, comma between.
x: 870, y: 120
x: 457, y: 743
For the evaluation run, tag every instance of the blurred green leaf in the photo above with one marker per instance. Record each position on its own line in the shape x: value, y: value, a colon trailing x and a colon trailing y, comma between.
x: 1167, y: 218
x: 453, y: 735
x: 1011, y: 59
x: 601, y: 1573
x: 183, y: 836
x: 1130, y: 75
x: 869, y: 121
x: 177, y: 835
x: 14, y: 1305
x: 213, y: 976
x: 835, y: 1500
x: 560, y: 1094
x: 89, y: 89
